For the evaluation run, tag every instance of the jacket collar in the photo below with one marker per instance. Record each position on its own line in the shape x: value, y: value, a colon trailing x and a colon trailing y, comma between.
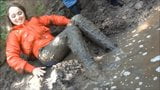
x: 19, y: 26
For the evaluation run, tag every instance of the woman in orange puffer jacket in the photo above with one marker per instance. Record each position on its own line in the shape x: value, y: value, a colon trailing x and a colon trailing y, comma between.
x: 33, y: 38
x: 28, y: 36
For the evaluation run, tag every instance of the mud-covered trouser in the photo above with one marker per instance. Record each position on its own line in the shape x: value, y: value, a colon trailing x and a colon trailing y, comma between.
x: 71, y: 38
x: 93, y: 33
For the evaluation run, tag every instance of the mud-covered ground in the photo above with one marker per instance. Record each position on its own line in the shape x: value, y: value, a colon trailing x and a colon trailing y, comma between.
x: 135, y: 65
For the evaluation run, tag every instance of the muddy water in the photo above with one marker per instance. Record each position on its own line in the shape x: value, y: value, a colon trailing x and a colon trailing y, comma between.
x: 136, y: 65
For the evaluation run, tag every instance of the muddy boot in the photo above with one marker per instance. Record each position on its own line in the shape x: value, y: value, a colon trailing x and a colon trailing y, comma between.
x: 79, y: 48
x: 93, y: 33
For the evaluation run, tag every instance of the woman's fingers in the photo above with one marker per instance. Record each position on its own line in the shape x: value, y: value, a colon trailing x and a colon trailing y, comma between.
x: 43, y: 67
x: 39, y: 71
x: 42, y: 71
x: 41, y: 74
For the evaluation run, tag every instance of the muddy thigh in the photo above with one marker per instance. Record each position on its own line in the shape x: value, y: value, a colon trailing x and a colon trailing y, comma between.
x: 71, y: 38
x: 55, y: 51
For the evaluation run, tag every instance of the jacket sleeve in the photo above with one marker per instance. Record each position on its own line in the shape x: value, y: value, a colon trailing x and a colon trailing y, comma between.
x: 54, y: 19
x: 13, y: 55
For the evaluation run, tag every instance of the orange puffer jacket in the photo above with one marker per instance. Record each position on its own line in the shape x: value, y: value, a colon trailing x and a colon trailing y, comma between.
x: 28, y: 38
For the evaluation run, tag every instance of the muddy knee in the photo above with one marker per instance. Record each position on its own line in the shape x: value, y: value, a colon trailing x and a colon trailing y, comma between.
x: 45, y: 58
x: 55, y: 51
x: 72, y: 29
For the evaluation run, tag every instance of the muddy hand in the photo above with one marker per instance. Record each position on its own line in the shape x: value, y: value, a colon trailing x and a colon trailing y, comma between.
x: 39, y: 71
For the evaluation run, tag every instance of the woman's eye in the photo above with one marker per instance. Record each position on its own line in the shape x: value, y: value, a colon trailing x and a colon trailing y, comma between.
x: 19, y: 13
x: 13, y: 15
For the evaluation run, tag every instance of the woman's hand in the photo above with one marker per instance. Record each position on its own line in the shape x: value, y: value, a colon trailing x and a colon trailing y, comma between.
x: 39, y: 71
x: 72, y: 22
x: 69, y: 24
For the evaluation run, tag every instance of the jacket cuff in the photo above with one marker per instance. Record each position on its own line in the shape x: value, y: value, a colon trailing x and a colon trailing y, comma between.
x: 29, y: 68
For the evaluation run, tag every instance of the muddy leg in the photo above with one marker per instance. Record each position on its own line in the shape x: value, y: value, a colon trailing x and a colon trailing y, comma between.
x: 55, y: 51
x: 93, y: 33
x: 79, y: 48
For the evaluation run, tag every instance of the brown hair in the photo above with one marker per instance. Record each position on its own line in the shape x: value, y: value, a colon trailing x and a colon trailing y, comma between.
x: 15, y: 5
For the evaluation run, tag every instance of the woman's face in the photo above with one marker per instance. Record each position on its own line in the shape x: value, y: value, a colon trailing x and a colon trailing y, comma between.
x: 16, y: 15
